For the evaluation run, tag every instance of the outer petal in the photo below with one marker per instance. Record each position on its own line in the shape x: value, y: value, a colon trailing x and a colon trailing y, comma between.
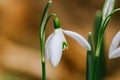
x: 114, y: 44
x: 47, y: 45
x: 55, y: 48
x: 115, y: 53
x: 81, y: 40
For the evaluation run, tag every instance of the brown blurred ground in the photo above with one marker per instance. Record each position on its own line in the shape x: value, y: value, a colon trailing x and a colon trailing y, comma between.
x: 19, y: 38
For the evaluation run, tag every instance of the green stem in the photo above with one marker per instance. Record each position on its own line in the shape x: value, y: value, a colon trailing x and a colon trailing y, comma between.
x: 95, y: 67
x: 99, y: 45
x: 97, y: 53
x: 42, y: 42
x: 43, y: 60
x: 44, y: 17
x: 43, y: 23
x: 52, y: 15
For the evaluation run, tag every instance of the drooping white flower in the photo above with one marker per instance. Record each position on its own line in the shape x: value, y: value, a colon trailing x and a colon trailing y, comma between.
x: 114, y: 51
x: 56, y: 42
x: 108, y: 8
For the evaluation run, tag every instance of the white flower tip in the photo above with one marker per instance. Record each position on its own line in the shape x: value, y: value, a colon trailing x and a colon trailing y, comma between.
x: 118, y: 33
x: 55, y: 62
x: 55, y: 58
x: 90, y: 33
x: 50, y: 1
x: 54, y: 65
x: 114, y: 51
x: 88, y: 47
x: 112, y: 56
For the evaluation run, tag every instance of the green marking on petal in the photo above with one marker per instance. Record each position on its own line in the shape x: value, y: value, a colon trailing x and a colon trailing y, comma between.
x: 64, y: 45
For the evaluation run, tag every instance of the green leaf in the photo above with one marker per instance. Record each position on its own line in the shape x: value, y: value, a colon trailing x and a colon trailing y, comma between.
x: 90, y: 59
x: 99, y: 62
x: 97, y: 26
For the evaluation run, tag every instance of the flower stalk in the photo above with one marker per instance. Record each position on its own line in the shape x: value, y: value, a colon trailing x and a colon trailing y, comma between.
x: 42, y: 38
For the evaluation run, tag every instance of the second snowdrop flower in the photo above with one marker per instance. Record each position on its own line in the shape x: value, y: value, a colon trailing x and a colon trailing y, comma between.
x: 108, y: 8
x: 56, y: 42
x: 115, y: 48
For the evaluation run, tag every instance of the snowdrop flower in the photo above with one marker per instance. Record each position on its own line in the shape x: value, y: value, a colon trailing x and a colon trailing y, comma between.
x: 108, y: 8
x: 115, y: 48
x: 56, y: 42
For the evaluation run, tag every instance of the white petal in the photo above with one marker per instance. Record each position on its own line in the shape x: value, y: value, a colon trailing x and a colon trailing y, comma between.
x: 115, y: 53
x: 47, y: 46
x: 81, y: 40
x: 55, y: 50
x: 108, y: 7
x: 114, y: 44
